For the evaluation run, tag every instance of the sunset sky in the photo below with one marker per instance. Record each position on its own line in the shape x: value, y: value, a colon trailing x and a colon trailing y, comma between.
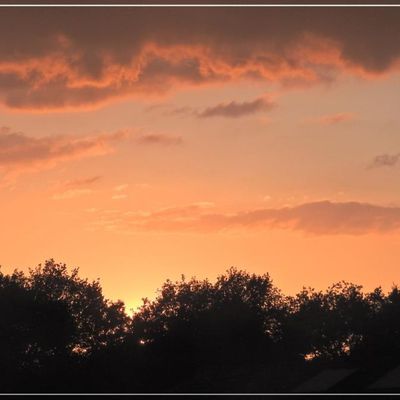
x: 140, y: 144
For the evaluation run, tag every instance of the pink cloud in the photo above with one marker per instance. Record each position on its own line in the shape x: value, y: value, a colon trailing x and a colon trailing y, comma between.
x: 317, y: 218
x: 20, y: 152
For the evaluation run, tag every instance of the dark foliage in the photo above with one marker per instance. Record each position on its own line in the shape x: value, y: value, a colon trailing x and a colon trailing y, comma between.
x: 239, y: 334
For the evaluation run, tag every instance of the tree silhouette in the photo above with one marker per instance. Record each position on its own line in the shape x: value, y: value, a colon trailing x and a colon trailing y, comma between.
x: 34, y: 330
x: 326, y: 325
x: 98, y: 322
x: 48, y: 317
x: 196, y: 324
x: 238, y: 334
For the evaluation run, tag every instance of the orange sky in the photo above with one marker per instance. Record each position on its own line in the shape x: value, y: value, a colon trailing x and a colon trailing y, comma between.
x: 142, y: 144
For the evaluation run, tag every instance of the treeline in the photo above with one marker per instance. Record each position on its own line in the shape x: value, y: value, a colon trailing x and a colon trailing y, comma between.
x: 58, y: 333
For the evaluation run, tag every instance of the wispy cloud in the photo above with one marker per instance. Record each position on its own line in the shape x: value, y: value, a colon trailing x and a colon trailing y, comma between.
x: 74, y: 188
x: 317, y: 218
x: 232, y: 109
x: 20, y: 152
x: 237, y: 109
x: 120, y: 188
x: 71, y: 194
x: 81, y: 182
x: 120, y: 196
x: 333, y: 119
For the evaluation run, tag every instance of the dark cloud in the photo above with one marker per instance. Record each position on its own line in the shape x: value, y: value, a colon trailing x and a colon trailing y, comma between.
x: 69, y: 57
x: 159, y: 139
x: 235, y: 109
x: 384, y: 160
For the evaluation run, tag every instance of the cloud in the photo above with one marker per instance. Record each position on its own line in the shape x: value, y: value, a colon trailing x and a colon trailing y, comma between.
x: 69, y: 58
x: 74, y: 188
x: 71, y: 194
x: 334, y: 119
x: 121, y: 188
x: 182, y: 111
x: 20, y: 152
x: 235, y: 109
x: 159, y: 139
x: 121, y: 196
x: 81, y: 182
x: 316, y: 218
x: 384, y: 160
